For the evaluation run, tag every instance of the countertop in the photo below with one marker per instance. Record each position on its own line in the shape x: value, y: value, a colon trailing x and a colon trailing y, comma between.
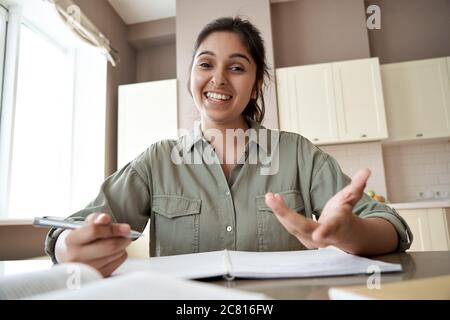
x: 421, y: 204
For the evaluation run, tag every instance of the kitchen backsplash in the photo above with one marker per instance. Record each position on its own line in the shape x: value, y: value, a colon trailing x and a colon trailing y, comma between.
x: 418, y: 172
x: 355, y: 156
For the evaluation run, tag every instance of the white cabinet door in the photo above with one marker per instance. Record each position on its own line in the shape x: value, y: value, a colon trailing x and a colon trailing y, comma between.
x: 147, y: 114
x: 359, y: 100
x: 417, y: 97
x: 430, y: 228
x: 418, y: 223
x: 438, y: 221
x: 306, y: 102
x: 333, y: 102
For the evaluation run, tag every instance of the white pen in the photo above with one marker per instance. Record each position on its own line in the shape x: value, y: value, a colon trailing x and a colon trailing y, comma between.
x: 55, y: 222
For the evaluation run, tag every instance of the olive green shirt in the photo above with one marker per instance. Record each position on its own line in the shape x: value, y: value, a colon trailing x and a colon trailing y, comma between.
x: 192, y: 207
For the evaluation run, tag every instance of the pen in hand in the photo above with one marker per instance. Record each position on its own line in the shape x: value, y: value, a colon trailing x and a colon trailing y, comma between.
x: 56, y: 222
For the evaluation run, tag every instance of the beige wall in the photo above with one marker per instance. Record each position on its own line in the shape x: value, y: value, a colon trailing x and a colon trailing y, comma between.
x: 192, y: 15
x: 28, y: 241
x: 419, y: 168
x: 156, y: 63
x: 102, y: 14
x: 411, y: 30
x: 319, y: 31
x: 150, y: 33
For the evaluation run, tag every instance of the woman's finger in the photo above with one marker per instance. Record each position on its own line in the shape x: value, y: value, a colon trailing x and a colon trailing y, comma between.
x: 103, y: 248
x: 107, y: 270
x: 295, y: 223
x: 93, y: 231
x: 102, y: 262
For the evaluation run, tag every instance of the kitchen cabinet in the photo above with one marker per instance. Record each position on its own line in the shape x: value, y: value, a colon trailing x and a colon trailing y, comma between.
x: 147, y: 113
x: 306, y: 102
x: 359, y: 100
x: 417, y: 98
x: 333, y: 102
x: 430, y: 228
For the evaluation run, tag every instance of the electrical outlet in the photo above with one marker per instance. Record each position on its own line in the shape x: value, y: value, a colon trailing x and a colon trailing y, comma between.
x: 440, y: 194
x: 426, y: 194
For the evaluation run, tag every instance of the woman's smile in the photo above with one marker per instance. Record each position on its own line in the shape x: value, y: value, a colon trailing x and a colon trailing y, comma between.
x: 223, y: 78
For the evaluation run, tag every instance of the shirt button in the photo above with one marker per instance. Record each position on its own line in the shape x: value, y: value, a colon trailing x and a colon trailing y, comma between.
x: 227, y: 193
x: 229, y: 228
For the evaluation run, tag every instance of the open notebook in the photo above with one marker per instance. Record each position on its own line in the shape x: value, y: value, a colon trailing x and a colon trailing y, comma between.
x: 78, y: 281
x: 280, y: 264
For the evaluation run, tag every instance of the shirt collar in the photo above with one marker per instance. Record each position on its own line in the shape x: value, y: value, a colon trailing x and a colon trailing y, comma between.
x: 259, y: 136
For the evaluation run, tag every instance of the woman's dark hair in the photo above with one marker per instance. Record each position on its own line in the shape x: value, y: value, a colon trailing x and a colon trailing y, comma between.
x: 254, y: 43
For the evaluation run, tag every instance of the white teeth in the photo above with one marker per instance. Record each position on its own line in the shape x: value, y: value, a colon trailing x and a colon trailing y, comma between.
x: 218, y: 96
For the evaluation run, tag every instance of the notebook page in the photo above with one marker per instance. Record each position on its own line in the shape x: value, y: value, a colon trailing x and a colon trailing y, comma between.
x: 63, y: 276
x: 151, y: 286
x: 184, y: 266
x: 306, y: 263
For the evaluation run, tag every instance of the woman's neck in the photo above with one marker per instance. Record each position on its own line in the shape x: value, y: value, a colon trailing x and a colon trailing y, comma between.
x: 228, y: 146
x: 211, y: 128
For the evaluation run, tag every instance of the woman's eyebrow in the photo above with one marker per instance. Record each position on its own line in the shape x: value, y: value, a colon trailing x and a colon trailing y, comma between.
x: 234, y: 55
x: 239, y: 55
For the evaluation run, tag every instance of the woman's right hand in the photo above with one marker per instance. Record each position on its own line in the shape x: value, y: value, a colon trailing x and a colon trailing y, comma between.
x: 99, y: 243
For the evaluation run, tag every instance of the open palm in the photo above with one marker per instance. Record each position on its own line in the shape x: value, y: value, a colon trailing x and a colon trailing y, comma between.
x: 337, y: 221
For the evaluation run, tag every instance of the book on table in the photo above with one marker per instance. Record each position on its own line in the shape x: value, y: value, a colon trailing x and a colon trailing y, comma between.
x: 171, y: 277
x: 329, y: 261
x: 76, y: 281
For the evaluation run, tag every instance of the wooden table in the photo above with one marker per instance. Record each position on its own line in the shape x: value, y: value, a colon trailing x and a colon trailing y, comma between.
x: 415, y: 265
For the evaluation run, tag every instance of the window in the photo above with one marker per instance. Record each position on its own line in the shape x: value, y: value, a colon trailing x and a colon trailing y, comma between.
x: 57, y: 135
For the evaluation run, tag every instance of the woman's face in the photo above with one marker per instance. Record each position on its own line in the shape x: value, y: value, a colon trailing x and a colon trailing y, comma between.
x: 222, y: 78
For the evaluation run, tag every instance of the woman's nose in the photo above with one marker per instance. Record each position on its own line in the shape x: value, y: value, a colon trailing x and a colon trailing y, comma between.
x: 218, y: 78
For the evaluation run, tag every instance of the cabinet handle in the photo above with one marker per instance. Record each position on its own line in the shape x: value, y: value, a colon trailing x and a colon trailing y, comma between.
x: 364, y: 136
x: 419, y: 135
x: 315, y: 139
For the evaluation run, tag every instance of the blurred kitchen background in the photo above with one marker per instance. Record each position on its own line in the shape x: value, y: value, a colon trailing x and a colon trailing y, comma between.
x: 367, y: 81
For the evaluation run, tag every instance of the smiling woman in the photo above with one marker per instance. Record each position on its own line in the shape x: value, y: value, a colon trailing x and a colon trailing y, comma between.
x: 210, y: 204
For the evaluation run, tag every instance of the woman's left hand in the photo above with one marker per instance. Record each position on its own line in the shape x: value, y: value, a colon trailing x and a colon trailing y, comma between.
x: 337, y: 225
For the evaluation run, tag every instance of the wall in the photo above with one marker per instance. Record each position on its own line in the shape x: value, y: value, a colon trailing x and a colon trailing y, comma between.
x: 150, y: 33
x: 418, y: 168
x: 28, y: 241
x: 192, y: 16
x: 156, y: 63
x: 319, y: 31
x: 102, y: 14
x: 411, y: 30
x: 355, y: 156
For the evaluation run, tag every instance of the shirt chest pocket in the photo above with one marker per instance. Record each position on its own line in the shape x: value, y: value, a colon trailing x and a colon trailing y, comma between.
x: 272, y: 236
x: 177, y: 224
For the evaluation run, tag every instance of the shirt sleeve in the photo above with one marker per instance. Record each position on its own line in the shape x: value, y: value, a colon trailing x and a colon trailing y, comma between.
x: 125, y: 196
x: 328, y: 179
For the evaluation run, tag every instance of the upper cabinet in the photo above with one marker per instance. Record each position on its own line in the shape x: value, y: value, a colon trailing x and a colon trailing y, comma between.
x: 333, y: 102
x: 359, y: 100
x: 306, y: 102
x: 417, y: 97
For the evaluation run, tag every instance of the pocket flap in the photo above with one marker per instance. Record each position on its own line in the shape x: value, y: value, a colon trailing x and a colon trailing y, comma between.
x: 292, y: 198
x: 175, y: 206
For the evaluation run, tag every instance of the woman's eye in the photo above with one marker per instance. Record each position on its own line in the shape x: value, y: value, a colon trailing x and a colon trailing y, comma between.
x: 204, y: 65
x: 236, y: 68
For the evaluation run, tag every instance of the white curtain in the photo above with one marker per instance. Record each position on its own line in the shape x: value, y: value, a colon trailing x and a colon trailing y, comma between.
x: 84, y: 28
